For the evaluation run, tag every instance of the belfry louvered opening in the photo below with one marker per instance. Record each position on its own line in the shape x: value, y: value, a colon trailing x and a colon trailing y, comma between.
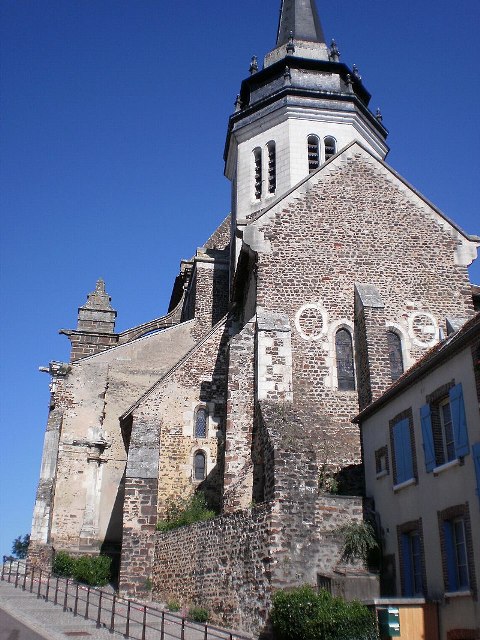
x: 330, y: 147
x: 313, y: 153
x: 272, y: 167
x: 257, y: 155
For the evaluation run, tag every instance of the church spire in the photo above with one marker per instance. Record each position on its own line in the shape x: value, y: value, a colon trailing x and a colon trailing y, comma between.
x: 299, y: 18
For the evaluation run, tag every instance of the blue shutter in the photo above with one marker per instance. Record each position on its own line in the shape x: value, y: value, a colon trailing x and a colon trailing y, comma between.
x: 407, y: 449
x: 407, y: 566
x: 427, y: 433
x: 450, y: 553
x: 398, y: 446
x: 476, y: 460
x: 460, y: 433
x: 403, y: 450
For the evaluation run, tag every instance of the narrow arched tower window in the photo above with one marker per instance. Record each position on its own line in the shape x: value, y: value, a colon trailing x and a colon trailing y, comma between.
x: 201, y: 423
x: 199, y: 466
x: 257, y: 155
x: 395, y: 355
x: 344, y: 354
x: 272, y: 168
x: 313, y: 153
x: 330, y: 147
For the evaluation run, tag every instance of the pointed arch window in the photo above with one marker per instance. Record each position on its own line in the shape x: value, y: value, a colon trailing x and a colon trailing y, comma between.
x: 313, y: 153
x: 395, y: 355
x: 199, y: 466
x: 272, y: 167
x: 201, y: 416
x: 257, y: 156
x: 344, y: 355
x: 330, y: 147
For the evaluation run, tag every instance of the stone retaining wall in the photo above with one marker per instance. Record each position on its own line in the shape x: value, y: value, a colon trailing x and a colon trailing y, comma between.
x: 231, y: 565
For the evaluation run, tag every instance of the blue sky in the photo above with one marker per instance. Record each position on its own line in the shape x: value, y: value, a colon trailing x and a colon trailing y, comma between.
x: 114, y: 114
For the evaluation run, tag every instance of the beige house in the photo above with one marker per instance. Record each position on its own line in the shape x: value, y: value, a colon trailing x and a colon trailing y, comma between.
x: 421, y: 449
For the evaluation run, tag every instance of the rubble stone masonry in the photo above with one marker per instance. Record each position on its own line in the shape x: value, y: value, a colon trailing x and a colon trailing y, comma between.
x: 354, y: 221
x: 231, y: 565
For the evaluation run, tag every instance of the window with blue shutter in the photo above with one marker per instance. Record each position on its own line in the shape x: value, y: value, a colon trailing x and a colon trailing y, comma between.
x: 427, y: 434
x: 476, y: 461
x: 408, y: 591
x: 403, y: 451
x: 459, y: 420
x: 456, y: 539
x: 412, y: 560
x: 450, y: 556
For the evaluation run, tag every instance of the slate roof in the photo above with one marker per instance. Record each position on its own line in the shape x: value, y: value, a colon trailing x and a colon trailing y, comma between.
x: 301, y: 18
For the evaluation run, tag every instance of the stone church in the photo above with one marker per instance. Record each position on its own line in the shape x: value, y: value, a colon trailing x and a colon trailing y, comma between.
x: 330, y: 277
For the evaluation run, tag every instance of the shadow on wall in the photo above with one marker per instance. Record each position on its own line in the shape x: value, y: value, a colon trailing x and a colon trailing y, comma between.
x: 112, y: 544
x: 214, y: 391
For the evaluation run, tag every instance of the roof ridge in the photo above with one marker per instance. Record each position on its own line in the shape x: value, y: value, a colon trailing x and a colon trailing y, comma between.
x: 176, y: 366
x: 387, y: 167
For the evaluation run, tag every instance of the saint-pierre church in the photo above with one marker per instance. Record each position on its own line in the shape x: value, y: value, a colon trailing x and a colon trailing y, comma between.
x: 328, y: 280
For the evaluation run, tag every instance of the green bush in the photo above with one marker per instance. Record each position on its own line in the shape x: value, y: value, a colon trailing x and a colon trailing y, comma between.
x: 92, y: 570
x: 63, y: 564
x: 359, y: 541
x: 173, y: 605
x: 198, y: 614
x: 303, y: 614
x: 182, y: 512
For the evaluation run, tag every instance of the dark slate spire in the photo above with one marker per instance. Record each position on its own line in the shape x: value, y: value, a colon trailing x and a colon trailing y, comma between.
x: 299, y: 17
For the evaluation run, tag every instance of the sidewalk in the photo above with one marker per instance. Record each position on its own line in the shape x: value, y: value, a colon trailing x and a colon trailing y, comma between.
x: 45, y: 618
x: 58, y: 608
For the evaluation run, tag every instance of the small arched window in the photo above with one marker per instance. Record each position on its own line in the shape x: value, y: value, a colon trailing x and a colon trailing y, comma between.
x: 257, y: 155
x: 313, y: 153
x: 330, y: 147
x: 344, y: 354
x: 272, y: 167
x: 199, y: 466
x: 201, y: 423
x: 395, y: 355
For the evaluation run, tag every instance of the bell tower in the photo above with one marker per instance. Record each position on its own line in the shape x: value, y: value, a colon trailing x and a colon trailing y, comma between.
x: 293, y: 114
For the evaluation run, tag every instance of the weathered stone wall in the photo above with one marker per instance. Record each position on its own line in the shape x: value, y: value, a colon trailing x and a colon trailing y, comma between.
x: 139, y: 521
x: 239, y: 420
x: 305, y: 521
x: 222, y: 564
x: 40, y: 556
x: 231, y: 565
x: 220, y: 238
x: 89, y: 463
x: 211, y: 292
x: 163, y: 444
x: 90, y: 343
x: 370, y: 339
x: 354, y: 221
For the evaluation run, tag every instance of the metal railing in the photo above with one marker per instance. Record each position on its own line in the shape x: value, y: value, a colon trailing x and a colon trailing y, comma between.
x: 119, y: 615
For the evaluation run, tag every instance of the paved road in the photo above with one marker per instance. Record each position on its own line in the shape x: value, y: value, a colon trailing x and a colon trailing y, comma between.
x: 12, y: 629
